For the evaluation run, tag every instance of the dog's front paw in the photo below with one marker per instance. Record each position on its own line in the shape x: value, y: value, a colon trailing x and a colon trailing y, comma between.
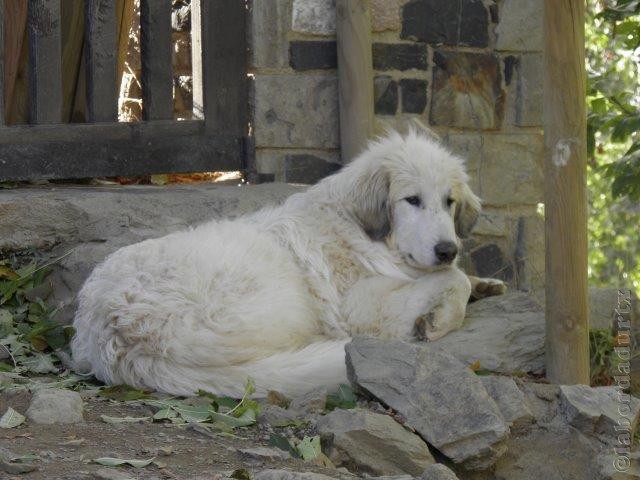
x: 486, y: 287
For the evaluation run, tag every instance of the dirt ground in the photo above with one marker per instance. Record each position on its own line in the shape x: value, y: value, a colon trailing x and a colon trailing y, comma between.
x: 181, y: 452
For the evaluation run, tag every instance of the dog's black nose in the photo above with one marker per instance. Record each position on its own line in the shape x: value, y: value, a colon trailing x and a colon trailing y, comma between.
x: 446, y: 251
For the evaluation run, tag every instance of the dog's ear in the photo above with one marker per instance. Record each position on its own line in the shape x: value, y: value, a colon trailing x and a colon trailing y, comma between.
x: 467, y: 212
x: 370, y: 201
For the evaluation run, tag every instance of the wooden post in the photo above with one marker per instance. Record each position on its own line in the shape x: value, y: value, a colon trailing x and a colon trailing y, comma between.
x: 567, y: 343
x: 355, y: 75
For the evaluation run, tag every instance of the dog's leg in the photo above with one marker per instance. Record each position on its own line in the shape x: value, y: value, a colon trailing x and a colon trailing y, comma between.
x: 486, y: 287
x: 390, y: 308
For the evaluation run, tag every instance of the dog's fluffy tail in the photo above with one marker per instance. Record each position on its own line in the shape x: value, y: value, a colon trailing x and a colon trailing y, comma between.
x: 290, y: 373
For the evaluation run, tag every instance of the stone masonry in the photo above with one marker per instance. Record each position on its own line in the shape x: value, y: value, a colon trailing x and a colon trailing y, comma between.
x: 471, y: 70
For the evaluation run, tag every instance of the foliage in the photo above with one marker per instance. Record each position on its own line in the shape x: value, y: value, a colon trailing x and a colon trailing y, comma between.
x: 29, y: 334
x: 613, y: 40
x: 601, y: 344
x: 613, y: 34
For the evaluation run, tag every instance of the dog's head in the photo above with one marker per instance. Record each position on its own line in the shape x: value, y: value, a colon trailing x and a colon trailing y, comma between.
x: 412, y: 192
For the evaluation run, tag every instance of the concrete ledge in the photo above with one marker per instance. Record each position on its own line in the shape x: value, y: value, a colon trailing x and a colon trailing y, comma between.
x: 94, y: 222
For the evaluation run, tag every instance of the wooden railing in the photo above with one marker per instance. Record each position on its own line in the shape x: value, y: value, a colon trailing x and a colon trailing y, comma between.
x: 215, y: 140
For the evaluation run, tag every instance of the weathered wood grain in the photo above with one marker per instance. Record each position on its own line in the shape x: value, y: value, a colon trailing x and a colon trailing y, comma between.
x: 220, y: 82
x: 155, y: 50
x: 92, y: 150
x: 45, y: 61
x: 567, y: 345
x: 15, y: 25
x: 100, y: 58
x: 355, y: 76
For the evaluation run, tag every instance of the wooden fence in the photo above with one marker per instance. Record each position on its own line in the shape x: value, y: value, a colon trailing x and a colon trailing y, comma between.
x: 46, y: 148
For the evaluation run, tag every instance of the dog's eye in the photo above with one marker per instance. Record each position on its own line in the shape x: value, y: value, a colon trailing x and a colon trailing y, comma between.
x: 415, y: 201
x: 450, y: 201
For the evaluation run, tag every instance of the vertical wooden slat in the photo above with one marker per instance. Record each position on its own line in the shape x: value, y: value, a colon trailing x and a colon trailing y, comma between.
x: 15, y: 25
x: 155, y: 50
x: 355, y: 76
x: 100, y: 51
x: 565, y: 130
x: 45, y: 61
x: 2, y: 86
x: 72, y: 32
x: 219, y: 47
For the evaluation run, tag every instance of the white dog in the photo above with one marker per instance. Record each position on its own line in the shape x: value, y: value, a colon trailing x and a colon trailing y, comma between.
x: 276, y: 295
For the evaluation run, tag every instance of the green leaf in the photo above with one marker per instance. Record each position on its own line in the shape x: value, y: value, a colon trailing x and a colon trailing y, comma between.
x: 123, y: 393
x: 283, y: 443
x: 118, y: 420
x: 11, y: 419
x: 4, y: 366
x: 246, y: 419
x: 344, y: 398
x: 309, y: 448
x: 116, y: 462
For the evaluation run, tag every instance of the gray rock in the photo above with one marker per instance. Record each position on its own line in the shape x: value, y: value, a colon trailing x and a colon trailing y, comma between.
x: 604, y: 412
x: 94, y: 222
x: 604, y: 301
x: 438, y: 471
x: 543, y: 400
x: 505, y: 334
x: 269, y: 26
x: 530, y: 92
x: 372, y: 443
x: 623, y: 466
x: 52, y: 405
x: 313, y: 401
x: 277, y: 416
x: 549, y: 454
x: 287, y: 475
x: 439, y: 397
x: 510, y: 400
x: 111, y: 474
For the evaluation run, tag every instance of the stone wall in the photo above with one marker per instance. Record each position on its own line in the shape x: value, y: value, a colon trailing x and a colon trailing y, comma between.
x: 470, y: 69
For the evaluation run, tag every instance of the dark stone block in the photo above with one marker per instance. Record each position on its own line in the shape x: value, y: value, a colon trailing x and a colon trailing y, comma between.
x: 459, y: 22
x: 467, y: 90
x: 414, y: 95
x: 307, y: 169
x: 399, y: 56
x: 313, y: 55
x: 489, y: 261
x: 385, y: 91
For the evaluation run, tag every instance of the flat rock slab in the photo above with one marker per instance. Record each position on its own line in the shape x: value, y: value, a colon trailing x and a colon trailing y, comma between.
x: 603, y: 411
x: 52, y: 405
x: 90, y: 223
x: 504, y: 333
x: 441, y: 398
x: 509, y: 398
x: 373, y: 443
x: 438, y: 471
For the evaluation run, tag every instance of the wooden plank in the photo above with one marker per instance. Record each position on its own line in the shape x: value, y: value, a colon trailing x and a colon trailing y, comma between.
x: 45, y: 62
x: 2, y: 57
x: 355, y: 76
x: 567, y: 331
x: 142, y: 131
x: 100, y: 58
x: 115, y: 149
x: 15, y: 25
x: 155, y: 51
x: 219, y: 49
x: 72, y: 33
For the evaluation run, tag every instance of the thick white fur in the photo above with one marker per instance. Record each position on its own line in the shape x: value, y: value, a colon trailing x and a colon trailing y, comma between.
x: 277, y: 294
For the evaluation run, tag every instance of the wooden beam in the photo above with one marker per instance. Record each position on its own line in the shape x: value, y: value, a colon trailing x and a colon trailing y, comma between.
x: 45, y: 62
x: 219, y: 64
x: 108, y: 149
x: 155, y: 53
x: 72, y: 31
x: 567, y: 339
x: 15, y: 25
x: 100, y: 51
x: 355, y: 75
